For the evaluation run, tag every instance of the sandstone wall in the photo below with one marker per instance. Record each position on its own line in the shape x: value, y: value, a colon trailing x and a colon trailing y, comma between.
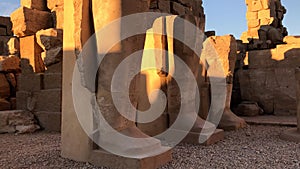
x: 9, y: 65
x: 38, y: 24
x: 269, y: 77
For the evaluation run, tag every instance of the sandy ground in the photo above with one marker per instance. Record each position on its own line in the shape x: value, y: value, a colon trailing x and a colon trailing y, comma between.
x: 254, y: 147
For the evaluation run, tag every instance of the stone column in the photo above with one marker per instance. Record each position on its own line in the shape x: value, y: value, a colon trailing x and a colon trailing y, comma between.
x: 294, y: 133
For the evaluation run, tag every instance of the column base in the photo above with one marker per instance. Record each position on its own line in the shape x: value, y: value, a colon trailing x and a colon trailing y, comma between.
x: 101, y: 158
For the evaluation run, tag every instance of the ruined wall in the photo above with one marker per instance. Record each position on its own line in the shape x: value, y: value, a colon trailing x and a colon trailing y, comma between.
x: 9, y: 65
x: 263, y: 13
x: 269, y: 78
x: 38, y: 25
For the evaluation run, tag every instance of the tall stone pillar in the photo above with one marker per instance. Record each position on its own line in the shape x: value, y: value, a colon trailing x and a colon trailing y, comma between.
x: 83, y: 18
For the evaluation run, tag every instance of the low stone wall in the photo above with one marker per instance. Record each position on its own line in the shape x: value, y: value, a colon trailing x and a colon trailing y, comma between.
x: 270, y: 79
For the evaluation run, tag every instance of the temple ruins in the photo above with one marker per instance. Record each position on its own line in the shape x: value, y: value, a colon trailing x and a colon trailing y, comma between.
x: 43, y: 44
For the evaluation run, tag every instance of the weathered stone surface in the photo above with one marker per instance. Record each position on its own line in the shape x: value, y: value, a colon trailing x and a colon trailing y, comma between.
x: 10, y: 64
x: 50, y: 121
x: 11, y: 79
x: 6, y: 23
x: 260, y: 59
x: 48, y: 100
x: 248, y: 109
x: 13, y: 46
x: 25, y: 101
x: 4, y: 105
x: 52, y: 81
x: 35, y: 4
x: 155, y: 127
x: 26, y: 67
x: 4, y: 51
x: 55, y: 68
x: 17, y: 121
x: 4, y: 87
x: 30, y: 82
x: 58, y: 17
x: 52, y: 56
x: 54, y: 3
x: 49, y: 38
x: 292, y: 39
x: 28, y: 21
x: 31, y: 51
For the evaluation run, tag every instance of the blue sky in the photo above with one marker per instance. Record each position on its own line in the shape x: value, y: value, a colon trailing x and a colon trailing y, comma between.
x: 223, y: 16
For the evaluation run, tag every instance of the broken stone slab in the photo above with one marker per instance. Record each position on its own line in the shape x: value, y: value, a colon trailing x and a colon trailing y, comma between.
x: 10, y: 64
x: 31, y: 51
x: 28, y: 21
x: 4, y: 105
x: 247, y: 108
x: 4, y: 86
x: 17, y: 121
x: 35, y: 4
x: 52, y: 56
x: 7, y: 24
x: 49, y: 121
x: 51, y: 4
x: 50, y: 38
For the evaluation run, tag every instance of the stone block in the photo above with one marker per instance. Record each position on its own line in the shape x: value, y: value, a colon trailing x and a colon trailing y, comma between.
x: 102, y: 158
x: 13, y: 46
x: 49, y: 121
x: 40, y: 5
x: 292, y: 39
x: 178, y: 9
x: 286, y: 51
x: 52, y: 81
x: 164, y: 6
x: 26, y: 67
x: 17, y: 121
x: 10, y: 64
x: 253, y: 23
x: 55, y: 68
x: 24, y: 101
x: 248, y: 109
x: 4, y: 86
x: 266, y: 4
x: 54, y: 3
x: 264, y: 14
x: 6, y: 23
x: 58, y: 17
x: 259, y: 59
x: 255, y: 5
x: 31, y: 51
x: 52, y: 56
x: 226, y: 47
x: 48, y: 100
x: 4, y: 51
x: 266, y: 21
x: 11, y: 79
x: 28, y: 21
x: 13, y: 103
x: 4, y: 105
x: 3, y: 31
x: 252, y: 15
x: 30, y: 82
x: 49, y: 38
